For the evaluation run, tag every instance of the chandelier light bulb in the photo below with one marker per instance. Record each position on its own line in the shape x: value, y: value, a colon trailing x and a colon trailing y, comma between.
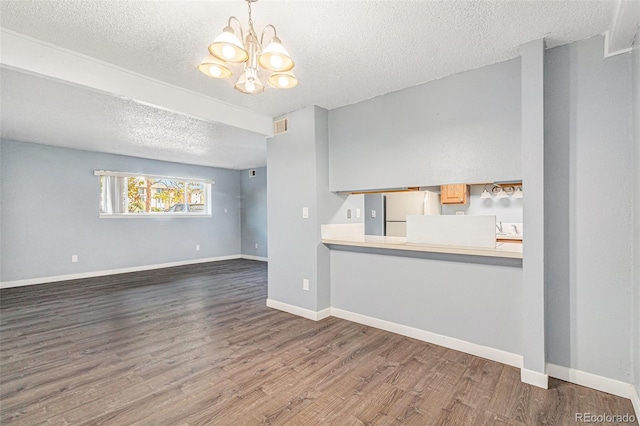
x: 283, y: 81
x: 249, y: 83
x: 215, y: 71
x: 276, y: 61
x: 228, y: 52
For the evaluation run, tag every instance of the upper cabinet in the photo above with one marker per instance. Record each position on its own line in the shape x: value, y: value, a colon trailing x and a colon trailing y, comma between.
x: 454, y: 194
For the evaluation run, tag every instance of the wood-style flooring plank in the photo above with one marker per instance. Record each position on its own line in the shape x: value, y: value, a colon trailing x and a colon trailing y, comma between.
x: 196, y: 345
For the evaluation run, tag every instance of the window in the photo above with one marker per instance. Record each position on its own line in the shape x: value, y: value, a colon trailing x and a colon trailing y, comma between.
x: 131, y: 195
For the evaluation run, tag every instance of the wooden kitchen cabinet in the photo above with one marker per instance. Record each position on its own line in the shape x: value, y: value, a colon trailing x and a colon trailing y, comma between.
x: 454, y: 194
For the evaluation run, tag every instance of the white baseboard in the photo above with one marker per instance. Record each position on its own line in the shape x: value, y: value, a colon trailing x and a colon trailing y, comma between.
x: 593, y: 381
x: 635, y: 400
x: 301, y: 312
x: 531, y: 377
x: 251, y: 257
x: 42, y: 280
x: 325, y: 313
x: 534, y: 378
x: 426, y: 336
x: 438, y: 339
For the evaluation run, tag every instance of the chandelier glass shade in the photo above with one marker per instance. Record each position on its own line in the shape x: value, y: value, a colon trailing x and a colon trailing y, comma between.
x: 214, y: 67
x: 227, y: 49
x: 282, y: 80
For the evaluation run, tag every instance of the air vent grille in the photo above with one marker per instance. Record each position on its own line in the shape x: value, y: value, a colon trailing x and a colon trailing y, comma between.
x: 280, y: 126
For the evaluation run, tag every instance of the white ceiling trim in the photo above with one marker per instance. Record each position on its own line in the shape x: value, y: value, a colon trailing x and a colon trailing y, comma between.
x: 26, y: 54
x: 619, y: 39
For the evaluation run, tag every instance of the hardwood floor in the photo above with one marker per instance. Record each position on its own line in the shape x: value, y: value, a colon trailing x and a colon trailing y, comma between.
x: 196, y: 345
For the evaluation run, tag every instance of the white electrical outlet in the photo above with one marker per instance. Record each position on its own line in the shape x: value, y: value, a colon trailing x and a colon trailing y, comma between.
x: 305, y: 212
x: 197, y: 247
x: 373, y: 213
x: 305, y: 284
x: 74, y: 258
x: 256, y: 245
x: 358, y: 213
x: 348, y: 213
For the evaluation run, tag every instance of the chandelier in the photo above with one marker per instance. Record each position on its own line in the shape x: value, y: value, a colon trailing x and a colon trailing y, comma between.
x: 227, y: 49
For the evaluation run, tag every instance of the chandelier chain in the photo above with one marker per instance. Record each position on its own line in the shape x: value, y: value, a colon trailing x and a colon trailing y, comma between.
x: 250, y: 18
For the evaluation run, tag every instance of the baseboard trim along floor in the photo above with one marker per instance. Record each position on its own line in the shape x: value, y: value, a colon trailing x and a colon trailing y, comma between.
x: 301, y: 312
x: 578, y: 377
x: 492, y: 354
x: 593, y: 381
x: 635, y: 400
x: 91, y: 274
x: 534, y: 378
x: 251, y: 257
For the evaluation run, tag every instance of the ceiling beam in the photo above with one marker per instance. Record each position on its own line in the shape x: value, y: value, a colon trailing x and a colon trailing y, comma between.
x: 25, y: 54
x: 619, y: 39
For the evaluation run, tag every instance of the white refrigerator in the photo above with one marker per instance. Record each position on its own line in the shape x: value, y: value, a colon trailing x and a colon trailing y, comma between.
x: 399, y: 205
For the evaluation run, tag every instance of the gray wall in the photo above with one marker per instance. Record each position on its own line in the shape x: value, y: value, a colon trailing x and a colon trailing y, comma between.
x: 50, y: 200
x: 253, y: 212
x: 444, y: 294
x: 462, y: 128
x: 349, y: 202
x: 1, y: 203
x: 533, y: 315
x: 636, y: 210
x: 297, y: 177
x: 589, y: 163
x: 329, y: 206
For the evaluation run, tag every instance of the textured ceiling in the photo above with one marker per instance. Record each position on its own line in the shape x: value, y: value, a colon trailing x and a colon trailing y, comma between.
x: 346, y: 51
x: 39, y: 110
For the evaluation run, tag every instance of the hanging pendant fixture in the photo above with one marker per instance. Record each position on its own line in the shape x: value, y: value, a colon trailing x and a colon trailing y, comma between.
x: 227, y: 49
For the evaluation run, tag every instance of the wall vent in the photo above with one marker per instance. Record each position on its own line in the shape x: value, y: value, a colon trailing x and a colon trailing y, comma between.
x: 280, y: 126
x: 252, y: 173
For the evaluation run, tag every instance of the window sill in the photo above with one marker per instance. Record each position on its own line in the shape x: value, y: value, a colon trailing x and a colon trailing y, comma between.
x: 153, y: 215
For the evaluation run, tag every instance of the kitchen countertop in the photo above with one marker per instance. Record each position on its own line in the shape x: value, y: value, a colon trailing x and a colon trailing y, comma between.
x: 508, y: 250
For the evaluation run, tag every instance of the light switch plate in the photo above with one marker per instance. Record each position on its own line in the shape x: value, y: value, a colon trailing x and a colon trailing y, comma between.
x: 373, y: 213
x: 305, y: 284
x: 305, y: 212
x: 357, y: 213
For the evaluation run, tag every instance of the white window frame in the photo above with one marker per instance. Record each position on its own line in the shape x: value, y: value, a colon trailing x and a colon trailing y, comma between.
x: 158, y: 215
